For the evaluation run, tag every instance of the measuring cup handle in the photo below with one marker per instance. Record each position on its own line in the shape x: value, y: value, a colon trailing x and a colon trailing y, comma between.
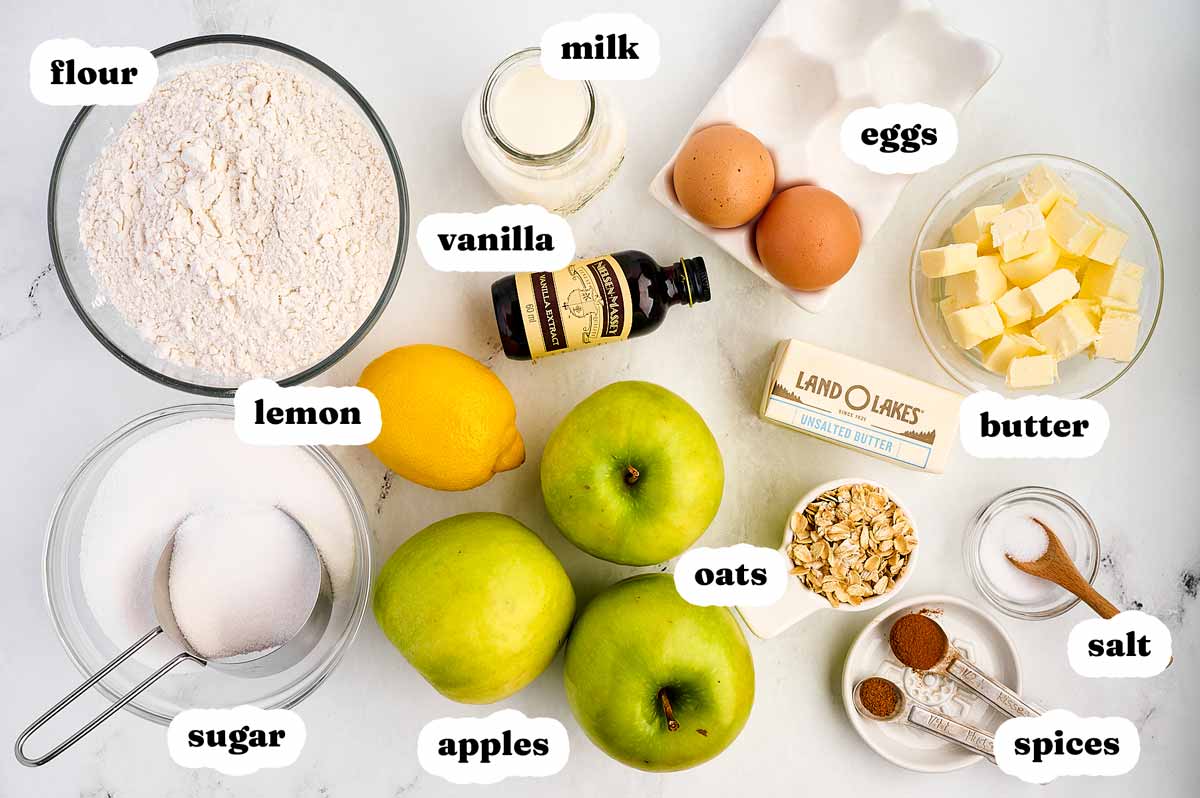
x: 798, y: 602
x: 990, y: 690
x: 969, y: 737
x: 33, y: 762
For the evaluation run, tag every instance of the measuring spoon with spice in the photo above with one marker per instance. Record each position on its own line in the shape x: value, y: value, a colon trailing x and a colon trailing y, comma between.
x: 921, y: 643
x: 881, y: 700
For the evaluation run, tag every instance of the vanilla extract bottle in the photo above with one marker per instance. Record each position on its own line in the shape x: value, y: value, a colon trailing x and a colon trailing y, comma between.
x: 592, y: 301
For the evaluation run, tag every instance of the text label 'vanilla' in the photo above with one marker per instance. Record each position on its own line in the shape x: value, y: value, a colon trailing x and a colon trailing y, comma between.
x: 508, y: 238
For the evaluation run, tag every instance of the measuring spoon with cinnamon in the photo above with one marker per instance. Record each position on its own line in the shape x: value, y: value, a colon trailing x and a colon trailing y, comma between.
x: 881, y: 700
x: 921, y: 643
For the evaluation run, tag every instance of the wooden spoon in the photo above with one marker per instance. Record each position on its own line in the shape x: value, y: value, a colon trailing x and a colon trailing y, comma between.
x: 1056, y: 566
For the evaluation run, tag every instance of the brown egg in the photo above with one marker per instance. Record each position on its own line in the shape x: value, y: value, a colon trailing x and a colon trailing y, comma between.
x: 808, y: 238
x: 723, y: 176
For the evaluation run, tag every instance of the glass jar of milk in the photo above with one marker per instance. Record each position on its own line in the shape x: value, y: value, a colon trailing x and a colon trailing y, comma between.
x: 535, y: 139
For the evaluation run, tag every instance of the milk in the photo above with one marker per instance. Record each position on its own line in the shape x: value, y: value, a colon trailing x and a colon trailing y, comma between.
x: 536, y: 114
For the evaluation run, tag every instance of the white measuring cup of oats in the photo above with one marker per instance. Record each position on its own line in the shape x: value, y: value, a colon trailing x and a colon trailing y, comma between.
x: 823, y: 539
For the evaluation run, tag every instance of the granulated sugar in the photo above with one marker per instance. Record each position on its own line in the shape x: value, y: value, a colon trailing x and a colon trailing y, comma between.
x: 243, y: 579
x: 175, y: 472
x: 243, y: 221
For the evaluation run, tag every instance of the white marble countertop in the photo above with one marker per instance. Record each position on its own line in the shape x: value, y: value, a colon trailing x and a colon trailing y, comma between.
x: 1111, y: 83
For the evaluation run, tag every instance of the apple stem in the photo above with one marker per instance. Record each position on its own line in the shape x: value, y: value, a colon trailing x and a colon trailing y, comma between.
x: 631, y: 475
x: 672, y: 724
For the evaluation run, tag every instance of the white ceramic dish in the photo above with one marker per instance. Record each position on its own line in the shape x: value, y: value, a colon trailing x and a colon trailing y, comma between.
x: 799, y: 602
x: 970, y: 629
x: 811, y: 64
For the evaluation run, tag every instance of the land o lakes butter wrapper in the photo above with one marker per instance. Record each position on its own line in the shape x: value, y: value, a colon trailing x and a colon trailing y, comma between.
x: 862, y: 406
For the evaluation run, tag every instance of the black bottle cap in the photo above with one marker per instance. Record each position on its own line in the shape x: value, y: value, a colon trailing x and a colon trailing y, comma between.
x: 696, y: 275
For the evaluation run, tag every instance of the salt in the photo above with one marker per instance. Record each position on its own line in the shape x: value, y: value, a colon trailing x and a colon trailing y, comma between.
x: 1011, y: 531
x: 1025, y: 540
x: 157, y: 482
x: 243, y: 580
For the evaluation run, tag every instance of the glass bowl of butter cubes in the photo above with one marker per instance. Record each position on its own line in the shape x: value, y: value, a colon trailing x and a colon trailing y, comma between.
x: 1037, y: 273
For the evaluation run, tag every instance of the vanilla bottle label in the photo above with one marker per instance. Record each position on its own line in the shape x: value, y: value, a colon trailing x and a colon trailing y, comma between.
x: 586, y: 304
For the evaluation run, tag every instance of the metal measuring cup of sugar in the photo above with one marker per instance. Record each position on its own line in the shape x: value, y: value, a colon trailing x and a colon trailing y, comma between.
x: 255, y: 664
x: 912, y: 714
x: 798, y: 601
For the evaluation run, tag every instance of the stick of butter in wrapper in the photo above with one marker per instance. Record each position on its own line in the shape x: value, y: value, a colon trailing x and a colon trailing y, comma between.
x: 862, y: 406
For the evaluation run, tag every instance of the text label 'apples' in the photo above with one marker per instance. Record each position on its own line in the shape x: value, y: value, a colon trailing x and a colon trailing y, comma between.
x: 488, y: 750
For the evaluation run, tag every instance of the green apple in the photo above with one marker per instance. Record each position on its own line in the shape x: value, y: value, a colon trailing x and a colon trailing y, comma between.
x: 477, y: 603
x: 632, y: 475
x: 658, y: 683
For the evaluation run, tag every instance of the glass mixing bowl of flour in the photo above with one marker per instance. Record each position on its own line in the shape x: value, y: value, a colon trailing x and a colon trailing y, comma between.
x: 93, y: 580
x: 318, y: 283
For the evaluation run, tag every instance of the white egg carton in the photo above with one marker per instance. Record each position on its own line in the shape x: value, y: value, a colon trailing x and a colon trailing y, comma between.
x: 811, y: 64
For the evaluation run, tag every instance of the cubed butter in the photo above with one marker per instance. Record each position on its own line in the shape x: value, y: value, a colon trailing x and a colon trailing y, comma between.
x: 974, y: 227
x: 1108, y: 303
x: 971, y: 326
x: 1066, y: 333
x: 1037, y: 280
x: 1055, y: 288
x: 1014, y: 307
x: 1042, y: 187
x: 1034, y: 344
x: 1024, y: 272
x: 1118, y: 335
x: 948, y: 260
x: 1019, y: 231
x: 1031, y: 371
x: 979, y: 287
x: 1090, y: 307
x: 998, y: 352
x: 1108, y: 245
x: 1072, y: 229
x: 1077, y: 265
x: 947, y: 306
x: 1121, y: 281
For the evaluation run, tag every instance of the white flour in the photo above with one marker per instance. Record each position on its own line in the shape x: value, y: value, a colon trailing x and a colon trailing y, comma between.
x: 243, y: 221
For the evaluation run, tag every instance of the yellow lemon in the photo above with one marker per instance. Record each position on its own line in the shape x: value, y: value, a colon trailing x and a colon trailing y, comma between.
x: 448, y: 422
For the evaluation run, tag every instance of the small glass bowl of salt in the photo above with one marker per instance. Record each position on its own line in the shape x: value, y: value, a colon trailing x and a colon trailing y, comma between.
x: 1005, y: 526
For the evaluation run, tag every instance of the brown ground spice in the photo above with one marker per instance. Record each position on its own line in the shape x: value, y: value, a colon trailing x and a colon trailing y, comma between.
x: 879, y: 696
x: 918, y: 641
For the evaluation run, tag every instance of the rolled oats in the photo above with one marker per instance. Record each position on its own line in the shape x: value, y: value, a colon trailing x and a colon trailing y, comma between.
x: 850, y: 543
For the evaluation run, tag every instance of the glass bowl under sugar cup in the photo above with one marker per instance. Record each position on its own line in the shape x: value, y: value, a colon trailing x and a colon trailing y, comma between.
x: 89, y: 647
x: 95, y: 126
x: 799, y: 601
x: 1070, y: 522
x: 1098, y: 193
